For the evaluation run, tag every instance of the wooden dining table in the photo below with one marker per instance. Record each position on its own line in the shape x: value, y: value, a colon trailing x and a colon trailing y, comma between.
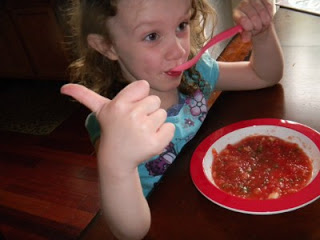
x: 180, y: 211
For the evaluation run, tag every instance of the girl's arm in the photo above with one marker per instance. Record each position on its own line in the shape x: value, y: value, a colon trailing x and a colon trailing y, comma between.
x: 133, y: 129
x: 265, y: 67
x: 123, y: 203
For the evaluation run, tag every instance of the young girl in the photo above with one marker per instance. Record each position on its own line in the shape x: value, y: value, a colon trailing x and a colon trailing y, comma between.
x: 143, y: 114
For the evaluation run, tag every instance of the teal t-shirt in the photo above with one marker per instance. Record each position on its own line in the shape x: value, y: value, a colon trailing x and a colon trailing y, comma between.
x: 187, y: 116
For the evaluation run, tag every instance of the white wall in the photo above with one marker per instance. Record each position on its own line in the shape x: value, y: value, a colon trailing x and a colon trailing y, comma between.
x: 224, y: 21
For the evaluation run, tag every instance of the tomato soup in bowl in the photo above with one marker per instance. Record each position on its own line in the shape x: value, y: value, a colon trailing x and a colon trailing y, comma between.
x: 261, y: 167
x: 259, y: 178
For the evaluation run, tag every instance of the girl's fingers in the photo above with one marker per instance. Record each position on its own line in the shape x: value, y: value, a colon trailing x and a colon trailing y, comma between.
x: 134, y: 92
x: 262, y: 10
x: 131, y: 93
x: 267, y: 18
x: 158, y: 118
x: 254, y: 16
x: 246, y: 36
x: 249, y: 9
x: 148, y: 105
x: 243, y: 19
x: 87, y: 97
x: 165, y: 135
x: 269, y: 6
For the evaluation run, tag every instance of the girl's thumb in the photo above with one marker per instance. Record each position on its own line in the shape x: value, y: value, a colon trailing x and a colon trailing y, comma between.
x: 87, y: 97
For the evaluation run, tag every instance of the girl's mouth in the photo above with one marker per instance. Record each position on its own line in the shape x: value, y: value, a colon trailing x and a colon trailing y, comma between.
x: 174, y: 73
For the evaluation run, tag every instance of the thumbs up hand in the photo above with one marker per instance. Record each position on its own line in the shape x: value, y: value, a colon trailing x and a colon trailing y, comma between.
x: 133, y: 127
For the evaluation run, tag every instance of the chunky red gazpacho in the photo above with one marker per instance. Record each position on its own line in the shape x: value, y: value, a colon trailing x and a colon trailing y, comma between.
x: 261, y: 167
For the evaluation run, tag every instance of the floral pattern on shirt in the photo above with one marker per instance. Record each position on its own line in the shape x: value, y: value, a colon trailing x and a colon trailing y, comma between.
x: 159, y: 165
x: 188, y: 122
x: 198, y: 105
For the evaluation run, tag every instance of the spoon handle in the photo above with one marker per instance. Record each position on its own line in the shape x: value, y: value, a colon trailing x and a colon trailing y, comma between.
x: 218, y: 38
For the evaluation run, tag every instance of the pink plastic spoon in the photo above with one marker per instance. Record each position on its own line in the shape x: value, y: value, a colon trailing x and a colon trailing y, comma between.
x: 218, y: 38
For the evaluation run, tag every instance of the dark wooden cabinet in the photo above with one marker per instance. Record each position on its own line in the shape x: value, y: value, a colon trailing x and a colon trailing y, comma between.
x: 31, y: 41
x: 13, y: 60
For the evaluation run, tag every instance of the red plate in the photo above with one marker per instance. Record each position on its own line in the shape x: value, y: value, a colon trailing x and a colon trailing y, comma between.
x: 307, y: 138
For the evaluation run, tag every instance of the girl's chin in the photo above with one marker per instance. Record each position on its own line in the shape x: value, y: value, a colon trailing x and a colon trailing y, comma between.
x: 171, y: 85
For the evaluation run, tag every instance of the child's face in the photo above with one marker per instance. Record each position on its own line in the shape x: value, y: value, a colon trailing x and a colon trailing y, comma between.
x: 150, y: 37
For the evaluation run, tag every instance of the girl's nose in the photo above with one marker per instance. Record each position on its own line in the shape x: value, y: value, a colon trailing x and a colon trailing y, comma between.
x: 176, y: 48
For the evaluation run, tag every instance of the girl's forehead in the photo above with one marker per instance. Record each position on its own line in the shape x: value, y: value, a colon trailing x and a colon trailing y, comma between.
x: 136, y: 17
x: 139, y: 9
x: 136, y: 4
x: 131, y: 3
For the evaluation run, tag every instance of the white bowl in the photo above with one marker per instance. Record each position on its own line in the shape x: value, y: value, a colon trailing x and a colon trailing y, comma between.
x: 202, y: 159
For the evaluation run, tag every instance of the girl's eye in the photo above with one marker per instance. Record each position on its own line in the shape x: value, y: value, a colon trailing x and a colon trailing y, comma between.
x: 152, y: 37
x: 182, y: 26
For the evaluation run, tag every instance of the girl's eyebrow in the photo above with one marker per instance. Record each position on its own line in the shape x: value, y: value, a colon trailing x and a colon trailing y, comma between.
x: 141, y: 24
x: 152, y: 22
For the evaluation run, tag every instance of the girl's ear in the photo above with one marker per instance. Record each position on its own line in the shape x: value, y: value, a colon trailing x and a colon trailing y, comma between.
x: 98, y: 43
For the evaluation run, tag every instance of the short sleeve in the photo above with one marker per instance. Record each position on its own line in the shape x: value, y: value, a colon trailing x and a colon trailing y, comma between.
x: 93, y: 127
x: 208, y: 68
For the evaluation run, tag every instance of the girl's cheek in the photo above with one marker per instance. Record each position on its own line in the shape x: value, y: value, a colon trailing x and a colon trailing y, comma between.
x: 153, y: 59
x: 188, y: 45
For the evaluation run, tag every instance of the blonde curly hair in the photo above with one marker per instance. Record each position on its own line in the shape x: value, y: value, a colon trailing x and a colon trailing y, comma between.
x: 95, y: 71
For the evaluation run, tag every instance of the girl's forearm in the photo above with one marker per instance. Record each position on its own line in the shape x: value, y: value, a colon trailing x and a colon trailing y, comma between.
x: 124, y: 205
x: 267, y: 59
